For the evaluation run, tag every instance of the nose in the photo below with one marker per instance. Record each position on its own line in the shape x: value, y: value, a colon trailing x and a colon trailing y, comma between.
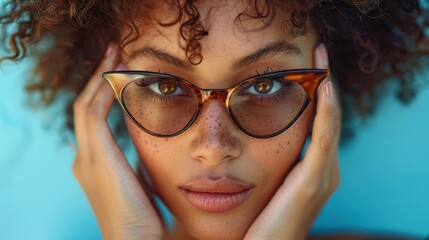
x: 215, y: 140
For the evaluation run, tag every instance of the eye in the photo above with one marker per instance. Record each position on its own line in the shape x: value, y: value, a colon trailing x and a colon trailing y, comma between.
x: 167, y: 87
x: 265, y: 86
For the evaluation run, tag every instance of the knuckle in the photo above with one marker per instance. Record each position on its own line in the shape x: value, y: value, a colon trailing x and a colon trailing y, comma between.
x: 334, y: 178
x: 326, y: 141
x: 335, y: 184
x: 78, y: 105
x: 331, y: 186
x: 310, y: 191
x: 309, y: 188
x: 335, y: 181
x: 329, y: 109
x: 76, y: 169
x: 93, y: 112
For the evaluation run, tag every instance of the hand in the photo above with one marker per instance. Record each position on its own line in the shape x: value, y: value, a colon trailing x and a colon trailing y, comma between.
x: 122, y: 208
x: 297, y: 202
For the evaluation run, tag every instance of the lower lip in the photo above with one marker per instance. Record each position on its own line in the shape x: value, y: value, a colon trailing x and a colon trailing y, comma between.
x: 215, y: 202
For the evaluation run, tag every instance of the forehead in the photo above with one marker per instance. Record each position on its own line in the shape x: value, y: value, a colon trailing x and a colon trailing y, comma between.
x: 229, y: 24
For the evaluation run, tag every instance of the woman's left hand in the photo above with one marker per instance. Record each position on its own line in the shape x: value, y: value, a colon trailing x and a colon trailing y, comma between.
x: 298, y: 201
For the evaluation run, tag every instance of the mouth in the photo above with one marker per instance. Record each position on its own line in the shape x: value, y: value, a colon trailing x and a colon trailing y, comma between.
x: 216, y: 195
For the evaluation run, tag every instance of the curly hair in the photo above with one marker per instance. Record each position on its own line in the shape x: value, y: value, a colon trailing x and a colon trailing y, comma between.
x: 376, y: 40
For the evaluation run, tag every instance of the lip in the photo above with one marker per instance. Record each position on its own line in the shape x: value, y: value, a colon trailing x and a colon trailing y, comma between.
x: 216, y: 195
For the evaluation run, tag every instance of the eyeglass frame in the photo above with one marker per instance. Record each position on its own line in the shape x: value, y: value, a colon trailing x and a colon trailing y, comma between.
x: 298, y: 76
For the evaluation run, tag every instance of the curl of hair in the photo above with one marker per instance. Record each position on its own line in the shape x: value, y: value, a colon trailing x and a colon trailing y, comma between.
x: 368, y: 41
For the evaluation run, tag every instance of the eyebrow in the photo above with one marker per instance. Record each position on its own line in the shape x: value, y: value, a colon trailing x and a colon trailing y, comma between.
x: 157, y: 54
x: 271, y: 50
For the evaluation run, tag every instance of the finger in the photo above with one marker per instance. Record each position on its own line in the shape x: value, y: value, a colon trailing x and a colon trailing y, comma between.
x: 100, y: 135
x: 300, y: 198
x: 83, y: 100
x: 302, y: 185
x: 321, y: 61
x: 93, y: 84
x: 103, y: 99
x: 325, y: 134
x: 101, y: 103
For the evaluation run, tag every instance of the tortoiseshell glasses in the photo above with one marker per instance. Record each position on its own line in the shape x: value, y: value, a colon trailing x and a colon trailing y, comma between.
x: 262, y: 107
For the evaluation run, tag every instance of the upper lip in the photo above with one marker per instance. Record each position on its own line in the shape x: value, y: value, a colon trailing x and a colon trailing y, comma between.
x: 220, y: 185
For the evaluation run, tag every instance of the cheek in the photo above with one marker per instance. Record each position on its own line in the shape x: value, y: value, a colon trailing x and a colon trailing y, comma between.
x: 155, y: 153
x: 290, y: 142
x: 277, y: 155
x: 160, y: 158
x: 147, y: 146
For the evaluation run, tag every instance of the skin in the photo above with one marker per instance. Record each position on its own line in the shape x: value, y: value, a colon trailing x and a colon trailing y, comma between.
x: 287, y: 195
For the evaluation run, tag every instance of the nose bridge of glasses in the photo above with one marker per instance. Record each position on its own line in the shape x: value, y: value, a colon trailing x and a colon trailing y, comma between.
x: 213, y: 94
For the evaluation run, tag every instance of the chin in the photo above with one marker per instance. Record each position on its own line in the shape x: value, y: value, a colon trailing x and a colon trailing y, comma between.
x: 227, y: 225
x: 213, y: 231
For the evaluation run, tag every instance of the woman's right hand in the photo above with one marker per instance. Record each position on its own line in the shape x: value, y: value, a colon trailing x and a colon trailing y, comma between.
x: 122, y: 208
x: 306, y: 188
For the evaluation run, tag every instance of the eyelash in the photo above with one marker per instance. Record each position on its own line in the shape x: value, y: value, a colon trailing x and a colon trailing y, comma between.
x: 268, y: 69
x: 166, y: 73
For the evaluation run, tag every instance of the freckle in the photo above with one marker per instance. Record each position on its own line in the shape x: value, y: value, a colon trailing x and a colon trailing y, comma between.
x: 288, y: 142
x: 278, y: 151
x: 145, y: 142
x: 155, y: 146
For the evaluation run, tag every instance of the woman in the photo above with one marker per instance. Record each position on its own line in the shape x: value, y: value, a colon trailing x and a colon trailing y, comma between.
x: 220, y: 98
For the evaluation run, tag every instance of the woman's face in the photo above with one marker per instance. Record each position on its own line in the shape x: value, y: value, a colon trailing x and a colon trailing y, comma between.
x: 214, y: 155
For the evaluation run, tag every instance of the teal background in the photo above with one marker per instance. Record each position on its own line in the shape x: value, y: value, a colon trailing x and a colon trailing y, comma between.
x: 384, y: 171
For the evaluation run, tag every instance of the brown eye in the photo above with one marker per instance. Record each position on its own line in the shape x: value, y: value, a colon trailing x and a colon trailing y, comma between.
x: 263, y: 86
x: 167, y: 88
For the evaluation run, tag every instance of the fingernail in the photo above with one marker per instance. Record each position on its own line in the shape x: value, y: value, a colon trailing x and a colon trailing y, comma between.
x: 120, y: 67
x: 108, y: 50
x: 328, y: 89
x: 323, y: 56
